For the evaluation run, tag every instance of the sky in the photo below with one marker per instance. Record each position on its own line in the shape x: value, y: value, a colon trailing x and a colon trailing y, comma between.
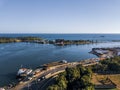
x: 59, y: 16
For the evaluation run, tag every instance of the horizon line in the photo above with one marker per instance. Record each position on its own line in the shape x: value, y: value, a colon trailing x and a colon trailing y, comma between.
x: 56, y: 33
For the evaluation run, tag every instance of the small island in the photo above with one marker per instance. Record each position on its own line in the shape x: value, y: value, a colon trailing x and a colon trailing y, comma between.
x: 19, y: 39
x: 62, y: 42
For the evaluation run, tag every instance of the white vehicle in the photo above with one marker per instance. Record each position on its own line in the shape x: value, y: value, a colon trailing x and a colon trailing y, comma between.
x: 38, y: 80
x: 30, y: 78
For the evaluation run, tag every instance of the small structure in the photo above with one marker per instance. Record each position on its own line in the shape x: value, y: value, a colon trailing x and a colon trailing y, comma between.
x: 59, y: 42
x: 102, y: 51
x: 24, y: 72
x: 63, y: 61
x: 118, y: 54
x: 2, y: 89
x: 37, y: 71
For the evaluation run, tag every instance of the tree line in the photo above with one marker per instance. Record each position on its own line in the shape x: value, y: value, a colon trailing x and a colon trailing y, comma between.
x: 110, y: 65
x: 18, y: 39
x: 74, y: 78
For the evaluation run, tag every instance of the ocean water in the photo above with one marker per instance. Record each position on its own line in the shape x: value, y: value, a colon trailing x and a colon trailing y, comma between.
x: 31, y: 55
x: 100, y: 37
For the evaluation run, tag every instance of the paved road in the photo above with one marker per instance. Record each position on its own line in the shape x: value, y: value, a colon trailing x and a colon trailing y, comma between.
x: 35, y: 85
x: 47, y: 83
x: 44, y: 83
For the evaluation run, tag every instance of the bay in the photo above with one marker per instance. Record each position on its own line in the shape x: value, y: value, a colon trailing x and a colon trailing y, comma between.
x: 32, y: 55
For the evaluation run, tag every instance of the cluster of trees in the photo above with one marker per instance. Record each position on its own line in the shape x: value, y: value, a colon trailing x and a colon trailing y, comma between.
x: 74, y: 78
x: 7, y: 40
x: 29, y: 38
x: 110, y: 64
x: 78, y: 42
x: 17, y: 39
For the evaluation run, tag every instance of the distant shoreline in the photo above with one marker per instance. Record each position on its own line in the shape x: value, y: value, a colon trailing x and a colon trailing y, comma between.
x: 30, y: 39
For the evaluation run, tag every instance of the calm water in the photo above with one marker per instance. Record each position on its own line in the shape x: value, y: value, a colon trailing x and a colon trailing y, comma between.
x: 31, y: 55
x: 107, y: 37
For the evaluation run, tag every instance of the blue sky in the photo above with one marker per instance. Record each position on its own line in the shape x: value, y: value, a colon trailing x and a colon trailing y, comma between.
x: 59, y: 16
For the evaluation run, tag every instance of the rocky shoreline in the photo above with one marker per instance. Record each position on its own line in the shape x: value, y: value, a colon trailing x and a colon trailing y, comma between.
x: 106, y: 52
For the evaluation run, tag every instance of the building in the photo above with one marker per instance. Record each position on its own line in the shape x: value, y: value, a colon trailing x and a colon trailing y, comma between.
x: 24, y: 72
x: 63, y: 61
